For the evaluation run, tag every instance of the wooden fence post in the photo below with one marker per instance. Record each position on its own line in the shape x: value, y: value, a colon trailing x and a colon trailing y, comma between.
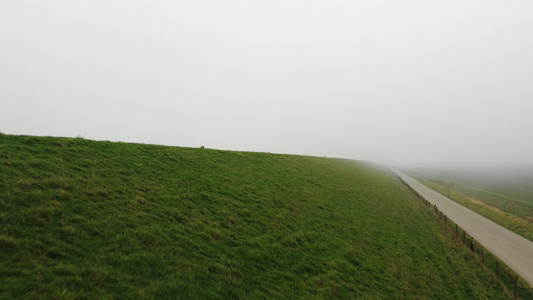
x: 464, y: 237
x: 483, y: 254
x: 516, y: 287
x: 457, y: 229
x: 497, y: 270
x: 445, y: 219
x: 472, y: 245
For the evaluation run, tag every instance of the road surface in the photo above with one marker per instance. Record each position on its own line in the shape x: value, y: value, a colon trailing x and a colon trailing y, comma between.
x: 512, y: 249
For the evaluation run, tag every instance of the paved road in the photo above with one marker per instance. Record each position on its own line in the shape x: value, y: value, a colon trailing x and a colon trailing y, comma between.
x: 512, y: 249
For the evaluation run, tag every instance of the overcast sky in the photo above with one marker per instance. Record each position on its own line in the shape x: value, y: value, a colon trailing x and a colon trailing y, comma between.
x: 386, y: 81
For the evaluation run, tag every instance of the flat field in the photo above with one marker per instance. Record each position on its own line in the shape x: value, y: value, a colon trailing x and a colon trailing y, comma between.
x: 101, y: 220
x: 494, y: 203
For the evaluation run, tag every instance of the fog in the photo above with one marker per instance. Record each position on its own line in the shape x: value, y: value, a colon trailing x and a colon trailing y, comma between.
x: 417, y: 82
x: 515, y: 179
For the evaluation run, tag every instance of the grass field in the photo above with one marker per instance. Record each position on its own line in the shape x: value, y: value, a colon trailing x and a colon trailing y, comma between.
x: 102, y: 220
x: 512, y: 213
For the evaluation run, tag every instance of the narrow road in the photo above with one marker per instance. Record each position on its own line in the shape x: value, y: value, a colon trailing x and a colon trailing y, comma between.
x: 512, y: 249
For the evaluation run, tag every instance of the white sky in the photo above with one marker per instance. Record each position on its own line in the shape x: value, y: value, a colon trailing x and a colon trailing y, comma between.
x: 387, y: 81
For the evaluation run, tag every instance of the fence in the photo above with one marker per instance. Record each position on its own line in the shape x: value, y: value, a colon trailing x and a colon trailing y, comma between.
x: 512, y: 284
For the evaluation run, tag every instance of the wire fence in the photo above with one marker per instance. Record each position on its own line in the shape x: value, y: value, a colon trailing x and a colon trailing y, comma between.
x: 512, y: 284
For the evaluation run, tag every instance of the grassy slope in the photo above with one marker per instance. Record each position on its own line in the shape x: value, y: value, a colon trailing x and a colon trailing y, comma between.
x: 92, y: 219
x: 516, y: 215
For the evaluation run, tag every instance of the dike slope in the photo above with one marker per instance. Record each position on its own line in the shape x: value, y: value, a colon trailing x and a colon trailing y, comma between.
x: 80, y: 218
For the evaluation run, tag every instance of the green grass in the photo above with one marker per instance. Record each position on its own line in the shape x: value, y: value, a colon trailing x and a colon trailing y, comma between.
x: 513, y: 214
x: 490, y: 262
x: 86, y: 219
x: 508, y: 198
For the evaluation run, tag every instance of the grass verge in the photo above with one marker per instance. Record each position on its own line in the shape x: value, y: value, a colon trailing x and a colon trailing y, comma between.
x: 512, y: 284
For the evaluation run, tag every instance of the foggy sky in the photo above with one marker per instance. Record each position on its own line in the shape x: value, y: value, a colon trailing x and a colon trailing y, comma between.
x: 386, y: 81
